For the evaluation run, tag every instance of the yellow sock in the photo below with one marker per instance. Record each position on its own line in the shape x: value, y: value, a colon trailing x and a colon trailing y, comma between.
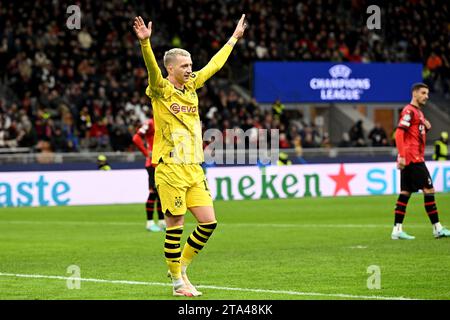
x: 172, y: 250
x: 196, y: 242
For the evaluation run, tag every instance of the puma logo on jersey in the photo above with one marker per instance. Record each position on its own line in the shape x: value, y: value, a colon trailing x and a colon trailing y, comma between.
x: 176, y: 108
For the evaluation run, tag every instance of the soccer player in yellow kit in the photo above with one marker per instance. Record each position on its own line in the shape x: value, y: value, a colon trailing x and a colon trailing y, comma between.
x: 178, y: 151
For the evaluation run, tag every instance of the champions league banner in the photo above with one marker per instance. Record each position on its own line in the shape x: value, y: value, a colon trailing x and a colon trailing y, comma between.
x: 324, y: 82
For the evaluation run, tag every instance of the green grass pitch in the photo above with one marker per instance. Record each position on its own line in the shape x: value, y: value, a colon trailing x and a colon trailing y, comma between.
x: 311, y: 248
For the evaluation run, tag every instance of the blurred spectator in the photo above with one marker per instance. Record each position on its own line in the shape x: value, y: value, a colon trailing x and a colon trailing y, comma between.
x: 45, y: 152
x: 441, y: 147
x: 378, y: 136
x: 284, y: 143
x: 70, y: 132
x: 325, y: 143
x: 99, y: 135
x: 102, y: 163
x: 278, y: 111
x: 120, y: 138
x: 345, y: 141
x: 309, y: 138
x: 297, y: 143
x: 356, y: 134
x: 283, y: 159
x: 27, y: 137
x: 59, y: 141
x: 445, y: 77
x: 434, y: 64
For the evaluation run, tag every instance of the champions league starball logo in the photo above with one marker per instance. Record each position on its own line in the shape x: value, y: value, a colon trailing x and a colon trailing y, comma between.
x: 340, y: 86
x: 340, y: 71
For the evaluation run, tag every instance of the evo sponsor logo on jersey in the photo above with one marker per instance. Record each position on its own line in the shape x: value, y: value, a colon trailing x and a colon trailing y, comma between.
x: 176, y: 108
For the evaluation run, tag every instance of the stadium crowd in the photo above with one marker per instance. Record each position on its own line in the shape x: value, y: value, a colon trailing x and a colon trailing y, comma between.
x: 74, y: 90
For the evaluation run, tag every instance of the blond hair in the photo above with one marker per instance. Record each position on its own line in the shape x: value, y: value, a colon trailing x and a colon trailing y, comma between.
x: 170, y: 55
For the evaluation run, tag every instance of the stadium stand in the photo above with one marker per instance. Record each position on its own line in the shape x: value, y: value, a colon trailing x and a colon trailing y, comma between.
x: 72, y: 91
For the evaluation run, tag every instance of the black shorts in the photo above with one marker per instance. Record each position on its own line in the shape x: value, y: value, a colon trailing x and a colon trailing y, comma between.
x: 415, y: 177
x: 151, y: 177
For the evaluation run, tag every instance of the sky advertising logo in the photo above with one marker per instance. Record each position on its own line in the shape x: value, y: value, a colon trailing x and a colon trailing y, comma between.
x: 382, y: 180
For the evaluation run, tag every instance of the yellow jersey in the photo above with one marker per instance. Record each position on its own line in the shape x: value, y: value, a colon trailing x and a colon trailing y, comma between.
x: 178, y: 131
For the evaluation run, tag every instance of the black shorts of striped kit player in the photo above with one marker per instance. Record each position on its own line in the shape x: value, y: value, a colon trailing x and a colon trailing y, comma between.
x: 415, y: 177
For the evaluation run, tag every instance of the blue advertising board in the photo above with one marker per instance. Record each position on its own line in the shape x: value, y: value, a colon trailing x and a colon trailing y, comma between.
x: 324, y: 82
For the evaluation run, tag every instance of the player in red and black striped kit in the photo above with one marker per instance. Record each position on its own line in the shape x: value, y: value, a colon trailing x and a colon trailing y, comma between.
x: 147, y: 132
x: 410, y: 139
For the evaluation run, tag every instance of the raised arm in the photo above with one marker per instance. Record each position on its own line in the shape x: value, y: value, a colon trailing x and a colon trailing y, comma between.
x: 219, y: 59
x: 155, y: 79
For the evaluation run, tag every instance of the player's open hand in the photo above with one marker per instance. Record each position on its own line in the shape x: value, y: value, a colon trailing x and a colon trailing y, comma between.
x: 240, y: 28
x: 142, y: 32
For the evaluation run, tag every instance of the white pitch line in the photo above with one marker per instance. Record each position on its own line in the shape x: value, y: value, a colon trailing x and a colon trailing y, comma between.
x: 40, y: 276
x: 110, y: 223
x: 263, y: 225
x: 286, y: 292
